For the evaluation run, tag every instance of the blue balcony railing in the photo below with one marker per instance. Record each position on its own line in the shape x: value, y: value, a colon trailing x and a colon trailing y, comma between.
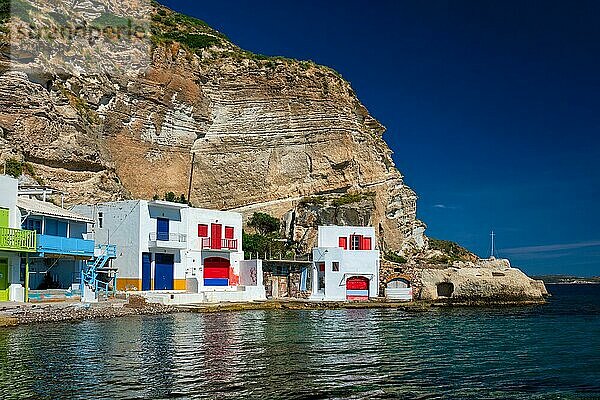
x: 65, y: 246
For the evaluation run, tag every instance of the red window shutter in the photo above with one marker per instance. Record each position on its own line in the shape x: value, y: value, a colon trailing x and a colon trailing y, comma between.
x: 228, y: 232
x: 366, y: 243
x: 202, y: 230
x: 343, y: 243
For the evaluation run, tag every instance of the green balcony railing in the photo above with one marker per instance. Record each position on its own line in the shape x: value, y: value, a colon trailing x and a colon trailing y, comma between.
x: 17, y: 240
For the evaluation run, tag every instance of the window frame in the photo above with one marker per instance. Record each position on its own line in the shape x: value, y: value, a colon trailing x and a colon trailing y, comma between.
x: 335, y: 266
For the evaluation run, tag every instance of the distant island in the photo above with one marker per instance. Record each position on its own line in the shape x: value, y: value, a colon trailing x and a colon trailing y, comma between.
x: 568, y: 280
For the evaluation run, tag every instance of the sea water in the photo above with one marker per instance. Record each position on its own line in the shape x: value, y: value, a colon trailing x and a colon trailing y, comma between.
x: 536, y: 352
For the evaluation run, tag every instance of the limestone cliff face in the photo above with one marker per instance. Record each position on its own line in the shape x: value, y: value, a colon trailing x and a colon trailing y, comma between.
x: 104, y: 117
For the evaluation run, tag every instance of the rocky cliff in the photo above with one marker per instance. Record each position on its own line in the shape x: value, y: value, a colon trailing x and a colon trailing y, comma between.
x: 108, y: 100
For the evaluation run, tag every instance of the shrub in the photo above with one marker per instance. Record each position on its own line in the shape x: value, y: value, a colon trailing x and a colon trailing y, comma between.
x: 264, y: 223
x: 350, y: 198
x: 452, y: 251
x: 312, y: 200
x: 13, y: 168
x: 108, y: 20
x: 393, y: 257
x: 173, y: 198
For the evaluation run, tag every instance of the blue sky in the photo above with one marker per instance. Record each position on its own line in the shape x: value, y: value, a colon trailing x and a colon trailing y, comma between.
x: 492, y: 108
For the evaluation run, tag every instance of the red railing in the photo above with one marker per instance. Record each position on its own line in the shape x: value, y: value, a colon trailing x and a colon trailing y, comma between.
x: 225, y: 244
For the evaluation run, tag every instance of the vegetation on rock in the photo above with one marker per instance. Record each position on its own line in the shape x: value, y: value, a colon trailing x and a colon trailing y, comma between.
x: 264, y: 223
x: 452, y: 252
x: 107, y: 20
x: 172, y: 197
x: 350, y: 198
x: 13, y: 168
x: 395, y: 258
x: 266, y: 241
x: 194, y: 34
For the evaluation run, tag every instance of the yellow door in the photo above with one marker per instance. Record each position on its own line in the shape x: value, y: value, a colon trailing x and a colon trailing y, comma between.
x: 4, y: 218
x: 3, y: 279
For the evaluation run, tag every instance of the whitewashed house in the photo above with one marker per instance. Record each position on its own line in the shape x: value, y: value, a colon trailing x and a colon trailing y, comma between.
x: 345, y: 264
x: 176, y: 253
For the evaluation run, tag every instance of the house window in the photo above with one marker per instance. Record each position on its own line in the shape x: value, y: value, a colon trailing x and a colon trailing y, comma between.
x: 229, y: 232
x: 366, y: 244
x: 355, y: 242
x: 100, y: 220
x: 343, y: 243
x: 321, y: 266
x: 202, y: 230
x: 32, y: 224
x: 55, y: 227
x: 335, y: 266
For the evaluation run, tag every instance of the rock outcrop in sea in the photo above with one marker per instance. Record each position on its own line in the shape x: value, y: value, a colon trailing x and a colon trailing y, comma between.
x: 108, y: 100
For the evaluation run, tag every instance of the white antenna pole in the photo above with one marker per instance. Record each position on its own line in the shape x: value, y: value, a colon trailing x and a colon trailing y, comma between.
x: 493, y: 250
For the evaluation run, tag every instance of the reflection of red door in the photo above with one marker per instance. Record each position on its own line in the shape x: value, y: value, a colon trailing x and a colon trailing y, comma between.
x: 357, y: 288
x: 216, y: 271
x: 215, y: 234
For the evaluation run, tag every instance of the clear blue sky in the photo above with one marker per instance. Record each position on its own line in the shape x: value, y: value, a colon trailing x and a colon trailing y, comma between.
x: 492, y: 108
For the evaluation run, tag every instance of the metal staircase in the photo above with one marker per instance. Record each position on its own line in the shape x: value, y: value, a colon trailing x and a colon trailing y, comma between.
x: 96, y: 269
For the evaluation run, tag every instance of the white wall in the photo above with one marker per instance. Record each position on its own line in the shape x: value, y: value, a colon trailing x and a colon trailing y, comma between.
x: 8, y: 199
x: 130, y: 224
x: 195, y: 256
x: 352, y: 262
x: 120, y: 226
x: 329, y: 235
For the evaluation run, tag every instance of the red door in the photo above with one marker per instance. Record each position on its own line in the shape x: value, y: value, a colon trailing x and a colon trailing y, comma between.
x: 216, y: 271
x: 357, y: 288
x: 215, y: 236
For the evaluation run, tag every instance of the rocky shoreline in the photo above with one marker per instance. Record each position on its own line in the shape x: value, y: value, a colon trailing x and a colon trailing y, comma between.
x: 24, y: 314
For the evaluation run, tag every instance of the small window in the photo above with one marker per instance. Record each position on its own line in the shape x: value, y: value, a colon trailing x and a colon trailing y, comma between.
x: 229, y: 232
x: 321, y: 266
x: 100, y: 220
x: 202, y: 230
x: 343, y: 243
x: 335, y: 266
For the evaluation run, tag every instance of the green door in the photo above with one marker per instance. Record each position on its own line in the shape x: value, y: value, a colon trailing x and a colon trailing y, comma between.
x: 3, y: 279
x: 3, y: 218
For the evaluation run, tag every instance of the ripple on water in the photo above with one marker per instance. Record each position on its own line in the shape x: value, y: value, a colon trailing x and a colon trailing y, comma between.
x: 516, y: 353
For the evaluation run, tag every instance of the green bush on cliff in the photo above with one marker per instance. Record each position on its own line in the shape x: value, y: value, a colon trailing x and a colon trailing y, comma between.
x: 19, y: 9
x: 13, y: 168
x: 351, y: 198
x: 452, y: 251
x: 395, y: 258
x: 4, y: 10
x: 109, y: 20
x: 264, y: 223
x: 312, y: 200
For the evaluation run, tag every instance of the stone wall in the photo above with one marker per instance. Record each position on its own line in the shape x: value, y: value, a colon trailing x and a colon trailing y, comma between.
x: 485, y: 281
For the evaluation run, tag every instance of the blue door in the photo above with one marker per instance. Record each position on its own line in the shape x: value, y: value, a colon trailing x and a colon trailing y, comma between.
x: 163, y: 271
x: 146, y: 271
x: 162, y: 229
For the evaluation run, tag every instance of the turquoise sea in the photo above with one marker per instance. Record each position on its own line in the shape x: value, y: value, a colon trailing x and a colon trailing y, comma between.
x: 538, y: 352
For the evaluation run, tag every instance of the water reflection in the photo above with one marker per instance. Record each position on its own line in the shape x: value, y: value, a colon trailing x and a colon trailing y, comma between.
x: 466, y: 354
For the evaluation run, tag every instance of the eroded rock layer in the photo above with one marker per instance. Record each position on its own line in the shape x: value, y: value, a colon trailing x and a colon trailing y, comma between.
x: 106, y: 117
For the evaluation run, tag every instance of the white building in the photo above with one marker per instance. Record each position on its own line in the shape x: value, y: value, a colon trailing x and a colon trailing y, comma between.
x: 345, y: 264
x: 164, y: 246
